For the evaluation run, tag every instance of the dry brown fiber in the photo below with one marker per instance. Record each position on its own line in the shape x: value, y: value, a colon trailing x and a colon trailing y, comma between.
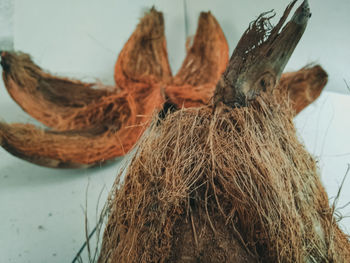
x: 229, y: 186
x: 92, y: 126
x: 223, y: 184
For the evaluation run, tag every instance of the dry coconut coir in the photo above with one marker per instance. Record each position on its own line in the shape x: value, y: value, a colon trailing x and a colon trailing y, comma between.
x: 92, y: 125
x: 228, y: 182
x: 229, y: 186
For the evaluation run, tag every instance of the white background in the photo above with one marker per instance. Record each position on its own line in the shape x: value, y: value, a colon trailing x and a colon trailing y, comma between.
x: 42, y: 218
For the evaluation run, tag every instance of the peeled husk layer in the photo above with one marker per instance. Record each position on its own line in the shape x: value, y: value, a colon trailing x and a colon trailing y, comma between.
x: 144, y: 58
x: 303, y: 86
x: 91, y: 126
x: 107, y: 127
x: 51, y: 100
x: 84, y: 148
x: 224, y: 185
x: 65, y: 104
x: 206, y: 60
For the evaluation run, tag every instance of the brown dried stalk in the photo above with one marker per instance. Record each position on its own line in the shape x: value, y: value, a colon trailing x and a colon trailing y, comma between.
x: 206, y: 60
x: 268, y: 49
x: 224, y: 183
x: 99, y: 125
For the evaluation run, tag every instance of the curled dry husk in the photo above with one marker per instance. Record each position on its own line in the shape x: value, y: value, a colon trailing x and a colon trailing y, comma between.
x: 113, y: 123
x: 107, y: 127
x: 303, y: 86
x: 101, y: 124
x: 223, y: 186
x: 51, y: 100
x: 206, y: 60
x: 228, y: 182
x: 65, y: 104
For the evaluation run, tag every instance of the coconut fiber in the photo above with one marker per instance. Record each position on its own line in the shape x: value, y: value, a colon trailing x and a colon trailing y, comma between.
x: 230, y: 181
x: 233, y: 185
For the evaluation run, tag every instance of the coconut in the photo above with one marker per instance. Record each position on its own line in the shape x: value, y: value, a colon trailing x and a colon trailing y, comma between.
x: 228, y: 182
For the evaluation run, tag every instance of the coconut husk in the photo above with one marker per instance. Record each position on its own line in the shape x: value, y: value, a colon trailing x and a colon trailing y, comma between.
x: 144, y: 58
x: 303, y: 86
x: 28, y: 84
x: 89, y: 147
x: 99, y: 125
x: 49, y: 99
x: 207, y: 187
x: 205, y: 61
x: 64, y: 104
x: 229, y: 182
x: 106, y: 128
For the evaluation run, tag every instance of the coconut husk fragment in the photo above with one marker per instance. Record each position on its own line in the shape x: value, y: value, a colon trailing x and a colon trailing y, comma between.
x: 108, y: 127
x: 205, y: 61
x: 89, y: 147
x: 49, y: 99
x: 303, y: 86
x: 93, y: 125
x: 144, y: 58
x: 65, y: 104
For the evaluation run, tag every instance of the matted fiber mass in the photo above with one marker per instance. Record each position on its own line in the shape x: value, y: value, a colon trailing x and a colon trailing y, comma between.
x: 224, y: 185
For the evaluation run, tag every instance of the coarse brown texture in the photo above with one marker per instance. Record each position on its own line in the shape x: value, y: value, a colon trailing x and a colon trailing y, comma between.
x: 83, y: 148
x: 205, y: 186
x: 134, y: 68
x: 100, y: 124
x: 228, y: 182
x: 51, y: 100
x: 205, y: 61
x: 303, y: 86
x: 105, y: 128
x: 64, y: 104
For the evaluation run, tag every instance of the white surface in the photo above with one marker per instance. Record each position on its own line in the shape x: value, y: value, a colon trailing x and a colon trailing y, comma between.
x: 6, y: 24
x: 324, y: 129
x: 42, y: 218
x: 83, y: 37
